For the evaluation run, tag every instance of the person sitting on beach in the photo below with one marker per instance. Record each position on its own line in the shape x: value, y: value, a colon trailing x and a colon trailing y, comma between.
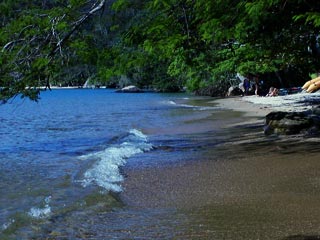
x: 272, y: 92
x: 256, y: 84
x: 246, y: 86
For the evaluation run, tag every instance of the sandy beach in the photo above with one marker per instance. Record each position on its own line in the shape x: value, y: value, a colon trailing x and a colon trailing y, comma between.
x: 260, y: 106
x: 249, y: 148
x: 249, y: 187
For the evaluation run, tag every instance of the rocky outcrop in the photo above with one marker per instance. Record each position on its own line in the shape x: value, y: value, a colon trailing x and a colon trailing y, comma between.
x: 130, y: 89
x: 307, y: 122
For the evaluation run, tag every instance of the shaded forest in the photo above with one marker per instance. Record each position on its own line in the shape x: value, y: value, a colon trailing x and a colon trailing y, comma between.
x: 167, y: 45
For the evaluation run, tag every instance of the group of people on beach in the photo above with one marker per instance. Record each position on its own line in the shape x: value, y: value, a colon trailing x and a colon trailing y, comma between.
x: 253, y: 85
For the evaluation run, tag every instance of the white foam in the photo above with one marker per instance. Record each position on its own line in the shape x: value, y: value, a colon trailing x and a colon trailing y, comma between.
x: 41, y: 212
x: 171, y: 102
x: 208, y: 108
x: 5, y: 226
x: 194, y: 107
x: 105, y: 172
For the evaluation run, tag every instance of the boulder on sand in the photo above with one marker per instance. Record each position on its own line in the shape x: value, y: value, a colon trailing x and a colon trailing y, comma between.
x: 307, y: 122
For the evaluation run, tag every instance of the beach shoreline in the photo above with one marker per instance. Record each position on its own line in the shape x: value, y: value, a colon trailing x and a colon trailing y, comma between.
x: 237, y: 190
x: 246, y: 134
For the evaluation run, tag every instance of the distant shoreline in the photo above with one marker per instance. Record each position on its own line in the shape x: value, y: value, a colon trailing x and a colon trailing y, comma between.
x: 74, y: 87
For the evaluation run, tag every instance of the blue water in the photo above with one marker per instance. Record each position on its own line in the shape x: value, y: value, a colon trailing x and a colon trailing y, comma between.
x: 73, y: 142
x: 94, y: 164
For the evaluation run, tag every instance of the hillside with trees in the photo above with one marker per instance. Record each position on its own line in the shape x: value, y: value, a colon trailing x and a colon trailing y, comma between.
x: 166, y: 45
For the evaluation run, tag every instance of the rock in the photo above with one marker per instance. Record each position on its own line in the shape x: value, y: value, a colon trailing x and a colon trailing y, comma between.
x: 130, y: 89
x: 275, y: 116
x: 291, y: 123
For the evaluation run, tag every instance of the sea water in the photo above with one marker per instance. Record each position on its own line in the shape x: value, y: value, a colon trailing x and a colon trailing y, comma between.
x: 73, y: 144
x: 95, y: 164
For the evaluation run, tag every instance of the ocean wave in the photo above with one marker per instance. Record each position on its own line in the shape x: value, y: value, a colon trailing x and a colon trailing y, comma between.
x: 194, y: 107
x: 41, y: 212
x: 105, y: 172
x: 173, y: 103
x: 5, y: 226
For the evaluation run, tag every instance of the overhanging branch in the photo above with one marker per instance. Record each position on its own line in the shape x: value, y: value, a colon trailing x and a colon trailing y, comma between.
x: 29, y: 52
x: 95, y: 8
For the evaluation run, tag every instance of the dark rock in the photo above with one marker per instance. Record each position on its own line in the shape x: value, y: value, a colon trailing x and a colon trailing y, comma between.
x: 293, y: 123
x: 275, y: 116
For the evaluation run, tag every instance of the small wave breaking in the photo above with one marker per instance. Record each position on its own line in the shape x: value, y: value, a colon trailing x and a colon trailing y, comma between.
x: 105, y: 172
x: 41, y: 212
x: 193, y: 107
x: 5, y: 226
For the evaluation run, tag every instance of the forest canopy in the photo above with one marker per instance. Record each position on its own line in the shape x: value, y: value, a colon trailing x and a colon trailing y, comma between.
x: 166, y: 45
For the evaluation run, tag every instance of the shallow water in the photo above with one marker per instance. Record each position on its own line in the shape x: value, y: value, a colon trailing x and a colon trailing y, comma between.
x: 69, y: 149
x: 176, y: 166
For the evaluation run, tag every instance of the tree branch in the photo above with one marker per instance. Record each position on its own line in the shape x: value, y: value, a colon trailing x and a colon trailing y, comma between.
x: 11, y: 43
x: 78, y: 23
x: 95, y: 7
x: 30, y: 51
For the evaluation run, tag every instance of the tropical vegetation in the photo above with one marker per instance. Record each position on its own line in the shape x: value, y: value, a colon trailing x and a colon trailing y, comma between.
x: 167, y: 45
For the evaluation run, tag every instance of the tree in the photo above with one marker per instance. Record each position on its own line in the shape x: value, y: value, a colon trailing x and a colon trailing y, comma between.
x: 260, y: 36
x: 33, y: 42
x: 166, y: 44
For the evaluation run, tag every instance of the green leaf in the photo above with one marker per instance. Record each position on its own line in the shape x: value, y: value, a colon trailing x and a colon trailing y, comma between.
x: 119, y: 5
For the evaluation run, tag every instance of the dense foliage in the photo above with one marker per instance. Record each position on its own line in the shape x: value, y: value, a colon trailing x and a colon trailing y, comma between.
x: 162, y: 44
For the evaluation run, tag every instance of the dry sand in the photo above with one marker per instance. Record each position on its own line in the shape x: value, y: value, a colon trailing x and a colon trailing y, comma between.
x: 248, y: 108
x: 260, y: 106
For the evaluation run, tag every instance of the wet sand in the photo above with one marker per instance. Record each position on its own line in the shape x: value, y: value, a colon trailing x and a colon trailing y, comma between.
x: 208, y: 182
x: 248, y: 187
x: 253, y: 198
